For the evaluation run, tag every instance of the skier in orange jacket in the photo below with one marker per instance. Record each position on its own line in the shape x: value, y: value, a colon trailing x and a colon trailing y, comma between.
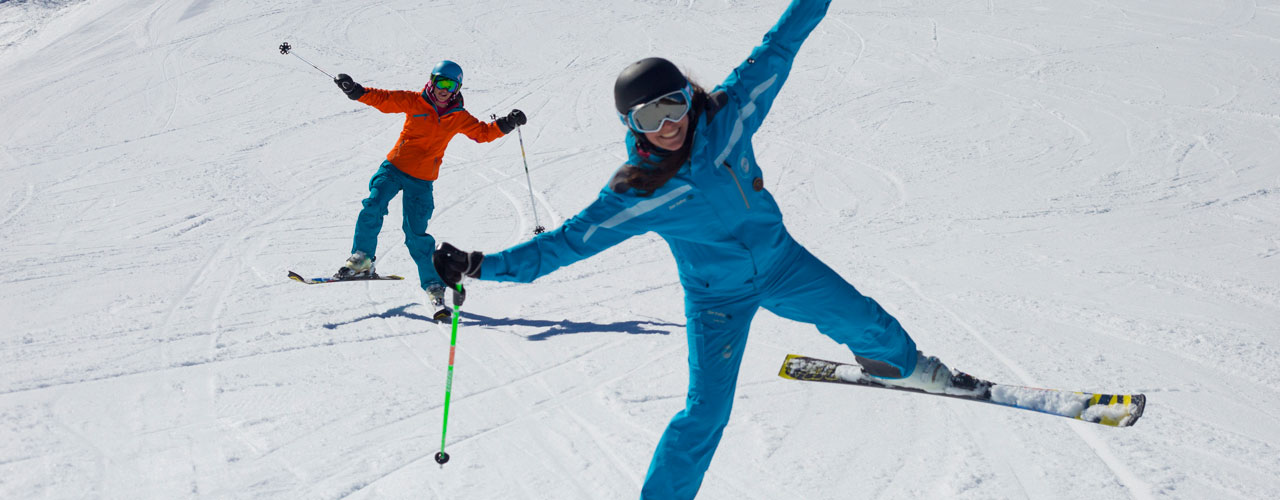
x: 432, y: 118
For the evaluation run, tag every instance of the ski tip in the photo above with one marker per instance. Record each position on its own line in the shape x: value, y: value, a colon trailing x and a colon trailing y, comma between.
x: 297, y: 277
x: 1139, y: 403
x: 1114, y: 410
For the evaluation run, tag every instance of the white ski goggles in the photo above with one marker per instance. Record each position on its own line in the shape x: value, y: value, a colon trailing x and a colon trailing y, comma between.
x: 650, y: 116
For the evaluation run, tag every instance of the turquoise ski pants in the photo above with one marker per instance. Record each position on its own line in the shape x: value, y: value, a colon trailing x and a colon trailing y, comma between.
x: 418, y: 205
x: 806, y: 291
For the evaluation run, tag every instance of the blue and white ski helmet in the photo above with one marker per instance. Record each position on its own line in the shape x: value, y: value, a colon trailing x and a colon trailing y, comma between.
x: 447, y: 69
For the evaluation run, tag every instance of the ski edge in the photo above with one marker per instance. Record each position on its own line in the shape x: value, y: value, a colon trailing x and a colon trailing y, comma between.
x: 1136, y: 403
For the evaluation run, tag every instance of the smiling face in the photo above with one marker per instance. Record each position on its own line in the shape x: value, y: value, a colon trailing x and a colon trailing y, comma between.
x: 440, y: 95
x: 671, y: 136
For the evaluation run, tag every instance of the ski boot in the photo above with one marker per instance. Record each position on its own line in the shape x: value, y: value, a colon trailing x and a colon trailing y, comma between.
x: 358, y: 265
x: 435, y: 293
x: 930, y: 375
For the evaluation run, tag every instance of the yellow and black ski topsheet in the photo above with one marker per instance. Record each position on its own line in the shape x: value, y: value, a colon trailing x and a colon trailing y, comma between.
x: 1116, y: 410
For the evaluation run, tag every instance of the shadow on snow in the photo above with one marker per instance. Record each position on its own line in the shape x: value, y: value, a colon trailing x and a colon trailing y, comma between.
x: 553, y: 328
x: 395, y: 312
x: 566, y: 327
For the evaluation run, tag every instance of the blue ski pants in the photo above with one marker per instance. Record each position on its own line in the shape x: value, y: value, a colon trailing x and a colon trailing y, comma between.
x: 418, y: 205
x: 807, y: 291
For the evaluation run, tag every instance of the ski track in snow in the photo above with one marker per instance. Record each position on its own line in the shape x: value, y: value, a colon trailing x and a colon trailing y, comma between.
x: 21, y: 204
x: 1088, y: 195
x: 1135, y: 486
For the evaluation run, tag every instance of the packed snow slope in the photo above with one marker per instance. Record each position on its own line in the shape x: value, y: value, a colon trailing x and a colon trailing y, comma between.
x: 1080, y: 195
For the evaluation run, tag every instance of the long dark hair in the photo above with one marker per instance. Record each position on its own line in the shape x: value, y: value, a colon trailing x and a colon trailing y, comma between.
x: 651, y: 175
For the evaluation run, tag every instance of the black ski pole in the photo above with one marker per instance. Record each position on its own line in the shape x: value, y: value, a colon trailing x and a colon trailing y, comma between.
x: 285, y: 48
x: 537, y: 226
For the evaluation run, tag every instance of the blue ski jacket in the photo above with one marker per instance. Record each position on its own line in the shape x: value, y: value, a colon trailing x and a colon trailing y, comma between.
x: 724, y: 228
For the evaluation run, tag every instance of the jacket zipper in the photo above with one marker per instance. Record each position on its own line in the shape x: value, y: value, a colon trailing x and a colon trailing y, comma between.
x: 736, y: 183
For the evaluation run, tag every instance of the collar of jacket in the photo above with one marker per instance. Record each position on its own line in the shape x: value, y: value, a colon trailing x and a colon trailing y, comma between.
x: 454, y: 105
x: 643, y: 153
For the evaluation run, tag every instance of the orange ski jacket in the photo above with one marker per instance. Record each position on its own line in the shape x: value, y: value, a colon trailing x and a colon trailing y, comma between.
x: 427, y: 132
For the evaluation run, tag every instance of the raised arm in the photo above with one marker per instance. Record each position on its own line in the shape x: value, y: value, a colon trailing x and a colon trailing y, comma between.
x: 755, y: 83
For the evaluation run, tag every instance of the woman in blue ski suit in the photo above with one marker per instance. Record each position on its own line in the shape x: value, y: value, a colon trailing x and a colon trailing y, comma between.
x: 692, y: 178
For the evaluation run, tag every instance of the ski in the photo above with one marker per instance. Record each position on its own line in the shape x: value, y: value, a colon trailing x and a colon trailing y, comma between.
x: 443, y: 315
x: 334, y: 279
x: 1116, y: 410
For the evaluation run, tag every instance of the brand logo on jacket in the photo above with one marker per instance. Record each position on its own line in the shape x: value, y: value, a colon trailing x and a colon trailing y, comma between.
x: 681, y: 202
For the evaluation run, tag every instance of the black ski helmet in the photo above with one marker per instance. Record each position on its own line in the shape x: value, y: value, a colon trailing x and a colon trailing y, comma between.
x: 644, y: 81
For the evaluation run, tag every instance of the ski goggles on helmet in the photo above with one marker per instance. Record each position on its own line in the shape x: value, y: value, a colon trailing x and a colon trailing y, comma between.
x: 650, y: 116
x: 446, y: 84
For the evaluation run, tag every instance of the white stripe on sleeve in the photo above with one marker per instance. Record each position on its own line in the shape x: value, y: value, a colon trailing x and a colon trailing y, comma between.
x: 637, y: 210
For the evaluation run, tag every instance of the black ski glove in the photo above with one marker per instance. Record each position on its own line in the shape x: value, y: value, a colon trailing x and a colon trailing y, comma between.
x: 513, y: 119
x: 452, y: 264
x: 349, y: 86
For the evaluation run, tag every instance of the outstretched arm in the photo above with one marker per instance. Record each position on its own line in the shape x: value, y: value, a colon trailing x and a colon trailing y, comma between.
x: 755, y: 83
x: 484, y: 132
x: 480, y: 131
x: 390, y: 101
x: 591, y: 231
x: 386, y: 101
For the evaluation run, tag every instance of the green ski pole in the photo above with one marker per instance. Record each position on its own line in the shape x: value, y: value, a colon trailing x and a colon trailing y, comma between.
x: 443, y: 457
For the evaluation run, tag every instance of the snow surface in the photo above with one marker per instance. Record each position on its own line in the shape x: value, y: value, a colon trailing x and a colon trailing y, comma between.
x: 1078, y: 195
